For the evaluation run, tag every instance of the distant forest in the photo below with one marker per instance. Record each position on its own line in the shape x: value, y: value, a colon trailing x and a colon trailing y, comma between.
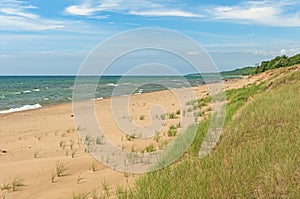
x: 277, y: 62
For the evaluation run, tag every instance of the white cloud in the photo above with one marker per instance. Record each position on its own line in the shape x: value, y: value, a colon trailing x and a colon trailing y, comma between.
x: 267, y: 12
x: 18, y: 12
x: 133, y: 7
x: 19, y: 23
x: 165, y: 13
x: 17, y: 15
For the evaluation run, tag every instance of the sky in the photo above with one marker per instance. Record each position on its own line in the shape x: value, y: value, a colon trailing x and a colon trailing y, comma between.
x: 55, y: 37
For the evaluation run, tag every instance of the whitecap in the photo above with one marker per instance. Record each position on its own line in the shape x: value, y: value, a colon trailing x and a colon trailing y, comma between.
x: 112, y: 84
x: 26, y: 91
x: 17, y: 93
x: 36, y: 90
x: 23, y: 108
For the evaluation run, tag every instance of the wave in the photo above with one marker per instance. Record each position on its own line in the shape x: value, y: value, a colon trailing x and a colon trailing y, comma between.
x: 26, y: 91
x: 36, y: 90
x: 23, y: 108
x: 111, y: 84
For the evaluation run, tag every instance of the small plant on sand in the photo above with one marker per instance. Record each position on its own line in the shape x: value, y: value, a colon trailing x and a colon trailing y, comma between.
x: 95, y: 194
x: 53, y: 176
x: 62, y: 144
x: 60, y: 168
x: 16, y: 182
x: 197, y: 114
x: 6, y: 186
x: 70, y: 130
x: 150, y: 148
x: 172, y: 116
x: 123, y: 147
x: 100, y: 140
x: 156, y: 137
x: 172, y: 132
x: 142, y: 117
x: 81, y: 195
x: 178, y: 112
x: 3, y: 196
x: 93, y: 166
x: 189, y: 110
x: 88, y: 140
x: 163, y: 116
x: 73, y: 154
x: 35, y: 155
x: 72, y: 145
x: 130, y: 137
x: 79, y: 179
x: 172, y: 127
x: 105, y: 185
x: 106, y: 188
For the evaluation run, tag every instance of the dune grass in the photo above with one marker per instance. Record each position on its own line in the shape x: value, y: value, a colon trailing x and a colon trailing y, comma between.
x: 257, y: 155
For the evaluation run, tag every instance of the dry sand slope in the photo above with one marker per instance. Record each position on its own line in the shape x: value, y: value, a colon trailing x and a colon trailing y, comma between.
x: 33, y: 142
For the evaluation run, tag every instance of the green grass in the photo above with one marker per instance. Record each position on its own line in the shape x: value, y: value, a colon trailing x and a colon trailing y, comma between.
x: 60, y: 168
x: 257, y: 155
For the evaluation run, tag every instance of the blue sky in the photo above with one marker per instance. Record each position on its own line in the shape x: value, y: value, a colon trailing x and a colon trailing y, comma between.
x: 54, y: 37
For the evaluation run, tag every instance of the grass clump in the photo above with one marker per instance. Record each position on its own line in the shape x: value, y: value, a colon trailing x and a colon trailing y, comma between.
x: 172, y: 116
x: 81, y: 195
x: 60, y: 168
x: 79, y: 178
x: 100, y: 140
x: 93, y: 166
x: 16, y: 182
x: 172, y: 132
x: 130, y: 137
x: 150, y: 148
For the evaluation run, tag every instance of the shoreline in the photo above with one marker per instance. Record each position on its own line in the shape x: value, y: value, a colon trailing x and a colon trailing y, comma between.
x: 225, y: 80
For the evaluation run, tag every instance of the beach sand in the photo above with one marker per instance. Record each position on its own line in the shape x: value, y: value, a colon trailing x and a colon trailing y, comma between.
x: 32, y: 143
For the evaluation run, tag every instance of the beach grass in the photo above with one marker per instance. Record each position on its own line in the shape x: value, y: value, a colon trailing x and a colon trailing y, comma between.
x: 257, y: 155
x: 60, y: 168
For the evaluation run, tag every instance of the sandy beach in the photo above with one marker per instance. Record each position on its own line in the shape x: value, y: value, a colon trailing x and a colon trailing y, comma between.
x: 33, y: 142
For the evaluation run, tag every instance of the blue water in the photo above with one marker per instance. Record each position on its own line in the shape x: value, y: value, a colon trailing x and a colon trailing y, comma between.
x: 19, y: 91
